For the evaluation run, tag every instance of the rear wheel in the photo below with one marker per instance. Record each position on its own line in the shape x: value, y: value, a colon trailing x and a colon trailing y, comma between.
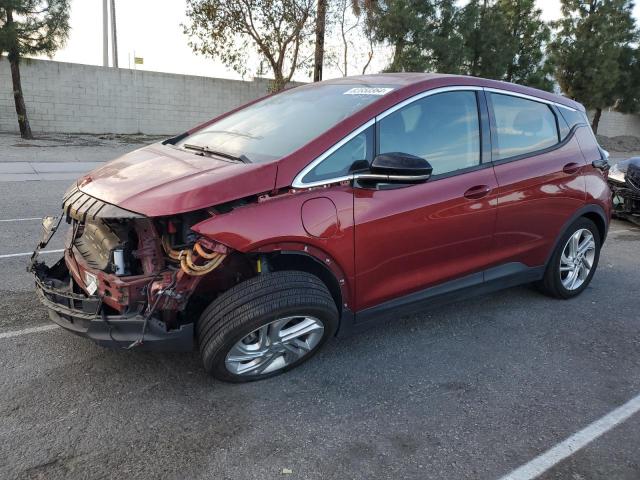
x: 574, y: 261
x: 265, y: 326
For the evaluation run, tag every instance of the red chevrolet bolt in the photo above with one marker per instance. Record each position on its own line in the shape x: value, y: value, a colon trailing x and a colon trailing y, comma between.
x: 322, y: 209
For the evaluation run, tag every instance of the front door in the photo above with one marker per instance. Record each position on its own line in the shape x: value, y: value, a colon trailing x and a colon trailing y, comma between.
x: 409, y: 238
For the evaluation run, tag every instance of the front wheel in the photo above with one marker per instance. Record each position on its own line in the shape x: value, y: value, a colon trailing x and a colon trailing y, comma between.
x: 574, y: 261
x: 265, y: 326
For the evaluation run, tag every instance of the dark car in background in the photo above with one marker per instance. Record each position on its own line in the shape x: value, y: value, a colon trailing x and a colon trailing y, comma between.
x: 322, y: 209
x: 624, y: 180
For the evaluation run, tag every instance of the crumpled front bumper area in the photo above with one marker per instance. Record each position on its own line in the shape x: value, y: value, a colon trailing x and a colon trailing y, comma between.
x: 86, y: 316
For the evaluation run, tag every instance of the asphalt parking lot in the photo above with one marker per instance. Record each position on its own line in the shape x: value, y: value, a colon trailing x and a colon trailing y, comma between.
x: 472, y: 390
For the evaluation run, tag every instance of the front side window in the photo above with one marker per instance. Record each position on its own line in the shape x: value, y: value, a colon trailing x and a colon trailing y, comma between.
x: 278, y: 125
x: 340, y: 163
x: 522, y: 126
x: 444, y: 129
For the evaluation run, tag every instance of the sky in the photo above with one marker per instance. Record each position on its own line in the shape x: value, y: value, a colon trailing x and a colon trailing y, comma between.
x: 152, y: 29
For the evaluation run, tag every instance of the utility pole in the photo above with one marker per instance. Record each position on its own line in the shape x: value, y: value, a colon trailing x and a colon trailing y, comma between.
x: 114, y: 36
x: 105, y: 34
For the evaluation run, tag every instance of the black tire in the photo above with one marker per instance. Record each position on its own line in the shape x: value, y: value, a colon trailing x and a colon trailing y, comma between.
x: 258, y: 302
x: 551, y: 284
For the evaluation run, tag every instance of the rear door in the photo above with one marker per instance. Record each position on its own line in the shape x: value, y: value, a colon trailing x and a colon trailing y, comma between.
x: 412, y: 237
x: 539, y: 173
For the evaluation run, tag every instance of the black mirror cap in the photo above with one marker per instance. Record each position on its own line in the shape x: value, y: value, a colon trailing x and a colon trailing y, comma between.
x: 400, y: 164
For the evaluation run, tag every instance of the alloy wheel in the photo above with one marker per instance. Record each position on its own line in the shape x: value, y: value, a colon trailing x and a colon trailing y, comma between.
x: 577, y: 259
x: 274, y: 345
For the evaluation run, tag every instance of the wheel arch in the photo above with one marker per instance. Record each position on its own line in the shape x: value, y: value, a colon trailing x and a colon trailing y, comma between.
x: 301, y: 261
x: 600, y: 222
x: 593, y: 212
x: 314, y: 260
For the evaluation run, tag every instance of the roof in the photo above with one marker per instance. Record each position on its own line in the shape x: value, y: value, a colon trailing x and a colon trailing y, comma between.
x: 433, y: 80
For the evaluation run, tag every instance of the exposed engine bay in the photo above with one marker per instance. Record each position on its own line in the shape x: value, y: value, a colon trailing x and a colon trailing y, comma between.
x: 130, y: 272
x: 624, y: 181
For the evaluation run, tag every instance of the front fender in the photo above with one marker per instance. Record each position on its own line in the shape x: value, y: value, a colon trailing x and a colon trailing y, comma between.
x: 318, y: 223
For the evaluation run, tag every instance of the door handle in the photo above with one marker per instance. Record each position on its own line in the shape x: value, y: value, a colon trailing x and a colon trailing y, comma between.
x: 477, y: 192
x: 571, y: 168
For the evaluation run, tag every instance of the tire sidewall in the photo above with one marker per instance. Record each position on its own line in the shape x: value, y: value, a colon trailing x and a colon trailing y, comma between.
x: 582, y: 223
x: 218, y: 367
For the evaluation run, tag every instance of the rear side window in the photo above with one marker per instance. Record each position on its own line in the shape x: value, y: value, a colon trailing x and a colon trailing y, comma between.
x: 570, y: 118
x: 443, y: 129
x: 522, y: 126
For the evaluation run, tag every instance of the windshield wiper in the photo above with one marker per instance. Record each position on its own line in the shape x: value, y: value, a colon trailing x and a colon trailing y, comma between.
x: 205, y: 149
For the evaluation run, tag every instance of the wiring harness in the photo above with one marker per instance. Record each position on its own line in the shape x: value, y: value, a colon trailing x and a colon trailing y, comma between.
x: 197, y: 261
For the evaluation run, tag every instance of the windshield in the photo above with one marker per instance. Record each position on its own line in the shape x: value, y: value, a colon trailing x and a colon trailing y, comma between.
x: 279, y: 125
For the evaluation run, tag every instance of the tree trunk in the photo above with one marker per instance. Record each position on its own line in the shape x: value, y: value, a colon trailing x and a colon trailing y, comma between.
x: 21, y: 109
x: 397, y: 56
x: 321, y: 17
x: 596, y: 120
x: 278, y: 83
x: 509, y: 75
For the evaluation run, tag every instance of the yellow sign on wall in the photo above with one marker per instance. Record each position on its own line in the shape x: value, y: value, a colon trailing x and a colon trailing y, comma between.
x: 138, y: 60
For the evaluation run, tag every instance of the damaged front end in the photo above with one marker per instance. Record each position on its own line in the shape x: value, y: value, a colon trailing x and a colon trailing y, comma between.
x: 125, y: 280
x: 624, y: 181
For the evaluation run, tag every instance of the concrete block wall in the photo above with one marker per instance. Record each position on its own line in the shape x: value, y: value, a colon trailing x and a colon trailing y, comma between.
x: 75, y: 98
x: 614, y: 124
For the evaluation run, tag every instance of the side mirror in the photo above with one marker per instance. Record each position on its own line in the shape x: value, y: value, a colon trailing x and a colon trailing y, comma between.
x: 397, y: 167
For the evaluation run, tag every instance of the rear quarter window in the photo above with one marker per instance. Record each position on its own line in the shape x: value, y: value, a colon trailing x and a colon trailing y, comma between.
x: 522, y: 126
x: 569, y: 119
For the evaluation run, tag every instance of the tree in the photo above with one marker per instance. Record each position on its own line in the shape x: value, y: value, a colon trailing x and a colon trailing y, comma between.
x: 30, y: 27
x: 628, y: 87
x: 406, y: 26
x: 345, y: 24
x: 446, y: 42
x: 589, y: 49
x: 527, y: 37
x: 354, y: 45
x: 500, y: 39
x: 230, y: 30
x: 482, y: 28
x: 318, y: 57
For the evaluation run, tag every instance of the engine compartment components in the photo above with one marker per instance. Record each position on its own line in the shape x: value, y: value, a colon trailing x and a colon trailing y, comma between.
x: 103, y: 244
x: 196, y: 261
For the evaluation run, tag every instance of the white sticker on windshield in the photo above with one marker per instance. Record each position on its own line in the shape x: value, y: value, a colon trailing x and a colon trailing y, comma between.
x: 368, y: 91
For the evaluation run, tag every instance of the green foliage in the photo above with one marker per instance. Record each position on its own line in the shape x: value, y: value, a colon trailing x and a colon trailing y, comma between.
x: 500, y: 39
x: 628, y: 87
x: 232, y: 30
x: 446, y: 43
x: 486, y: 40
x: 33, y: 27
x: 591, y: 49
x: 527, y: 37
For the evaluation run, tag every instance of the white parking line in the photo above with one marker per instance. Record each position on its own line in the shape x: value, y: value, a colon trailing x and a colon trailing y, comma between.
x: 575, y: 442
x: 28, y: 254
x: 17, y: 333
x: 20, y: 219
